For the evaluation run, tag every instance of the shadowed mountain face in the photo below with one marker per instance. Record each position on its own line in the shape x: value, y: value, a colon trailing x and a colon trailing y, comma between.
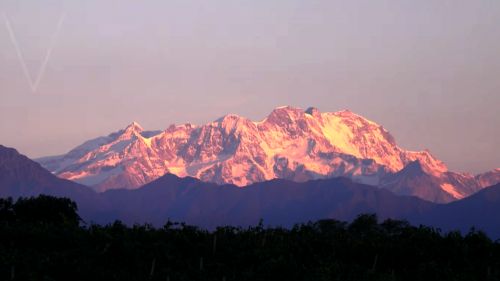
x: 290, y: 143
x: 480, y: 210
x: 277, y: 202
x: 282, y: 202
x: 20, y: 176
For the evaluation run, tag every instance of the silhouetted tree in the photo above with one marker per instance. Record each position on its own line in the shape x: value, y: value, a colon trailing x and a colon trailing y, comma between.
x: 41, y: 239
x: 47, y: 209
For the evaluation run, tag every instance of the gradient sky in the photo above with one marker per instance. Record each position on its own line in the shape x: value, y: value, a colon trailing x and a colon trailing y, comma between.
x: 428, y: 71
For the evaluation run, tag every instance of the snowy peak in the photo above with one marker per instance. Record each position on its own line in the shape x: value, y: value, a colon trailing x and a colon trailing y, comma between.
x: 430, y: 164
x: 418, y: 168
x: 133, y: 129
x: 489, y: 178
x: 234, y: 124
x: 284, y: 115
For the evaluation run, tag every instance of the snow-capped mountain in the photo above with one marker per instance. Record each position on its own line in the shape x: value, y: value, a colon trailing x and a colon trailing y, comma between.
x: 290, y: 143
x: 436, y: 187
x: 489, y: 178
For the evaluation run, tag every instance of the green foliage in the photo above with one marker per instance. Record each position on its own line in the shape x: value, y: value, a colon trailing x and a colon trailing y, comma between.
x: 40, y: 239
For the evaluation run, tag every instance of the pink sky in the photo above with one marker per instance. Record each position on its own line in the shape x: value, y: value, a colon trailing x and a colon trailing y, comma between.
x: 428, y: 71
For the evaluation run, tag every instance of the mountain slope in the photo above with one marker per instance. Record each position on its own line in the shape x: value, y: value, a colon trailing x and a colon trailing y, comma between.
x: 289, y: 144
x: 479, y: 210
x: 20, y: 176
x: 277, y: 202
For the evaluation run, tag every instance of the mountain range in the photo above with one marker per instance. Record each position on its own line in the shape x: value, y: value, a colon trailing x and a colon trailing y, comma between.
x: 277, y: 202
x: 291, y: 143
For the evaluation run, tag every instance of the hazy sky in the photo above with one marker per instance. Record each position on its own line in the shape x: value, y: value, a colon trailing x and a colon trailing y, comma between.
x: 428, y: 71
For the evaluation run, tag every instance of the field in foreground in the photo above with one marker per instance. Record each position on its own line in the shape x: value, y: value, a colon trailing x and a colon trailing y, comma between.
x: 43, y: 239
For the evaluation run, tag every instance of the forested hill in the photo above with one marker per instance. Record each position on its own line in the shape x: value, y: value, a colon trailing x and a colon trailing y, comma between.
x: 44, y: 239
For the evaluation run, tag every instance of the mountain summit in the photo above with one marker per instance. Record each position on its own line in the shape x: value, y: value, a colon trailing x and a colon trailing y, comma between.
x: 290, y: 143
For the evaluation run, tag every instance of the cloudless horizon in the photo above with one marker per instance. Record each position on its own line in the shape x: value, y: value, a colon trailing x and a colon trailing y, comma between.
x: 428, y: 71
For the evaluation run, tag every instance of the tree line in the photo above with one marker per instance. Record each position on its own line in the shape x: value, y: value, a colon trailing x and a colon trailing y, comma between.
x: 44, y: 238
